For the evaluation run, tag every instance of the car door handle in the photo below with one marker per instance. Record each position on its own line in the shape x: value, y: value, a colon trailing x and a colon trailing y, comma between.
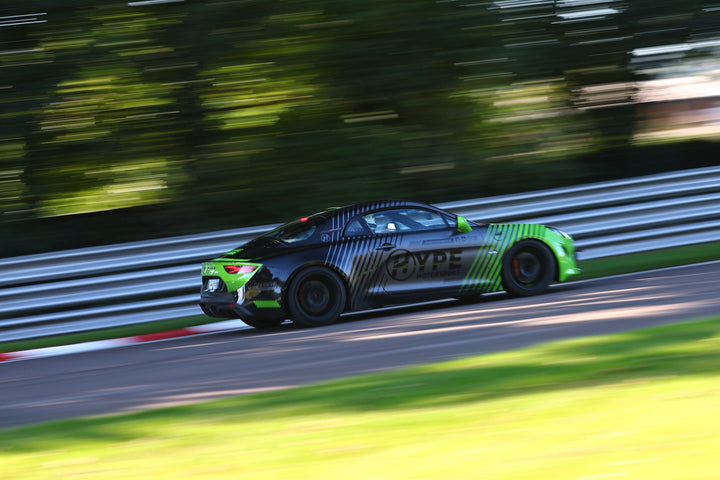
x: 386, y: 247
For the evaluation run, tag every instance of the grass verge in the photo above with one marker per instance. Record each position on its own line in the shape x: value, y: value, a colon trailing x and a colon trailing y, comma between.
x: 637, y: 405
x: 592, y: 269
x: 636, y: 262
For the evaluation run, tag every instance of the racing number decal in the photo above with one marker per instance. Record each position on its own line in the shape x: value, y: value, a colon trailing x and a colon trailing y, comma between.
x: 401, y: 265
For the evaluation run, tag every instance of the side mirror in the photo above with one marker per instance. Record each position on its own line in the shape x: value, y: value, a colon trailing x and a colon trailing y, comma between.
x: 463, y: 226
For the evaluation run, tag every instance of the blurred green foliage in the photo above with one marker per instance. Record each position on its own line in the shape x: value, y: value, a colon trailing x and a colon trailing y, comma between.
x: 126, y: 121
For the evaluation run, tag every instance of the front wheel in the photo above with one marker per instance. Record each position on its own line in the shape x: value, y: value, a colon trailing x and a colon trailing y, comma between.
x: 316, y: 297
x: 528, y: 268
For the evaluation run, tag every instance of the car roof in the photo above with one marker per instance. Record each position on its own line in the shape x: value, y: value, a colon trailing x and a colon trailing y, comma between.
x: 338, y: 217
x: 367, y: 206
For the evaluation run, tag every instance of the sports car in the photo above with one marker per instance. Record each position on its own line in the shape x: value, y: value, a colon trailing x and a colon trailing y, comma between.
x: 379, y: 253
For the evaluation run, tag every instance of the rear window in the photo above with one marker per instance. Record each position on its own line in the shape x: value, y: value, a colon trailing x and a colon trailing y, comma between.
x: 298, y: 230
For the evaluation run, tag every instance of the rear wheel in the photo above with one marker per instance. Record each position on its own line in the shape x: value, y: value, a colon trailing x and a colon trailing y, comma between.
x: 528, y: 268
x: 316, y: 297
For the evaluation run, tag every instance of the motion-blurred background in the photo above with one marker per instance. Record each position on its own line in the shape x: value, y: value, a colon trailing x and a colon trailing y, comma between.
x: 122, y: 121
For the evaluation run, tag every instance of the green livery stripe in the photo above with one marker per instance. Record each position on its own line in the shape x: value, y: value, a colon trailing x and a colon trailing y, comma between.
x: 487, y: 264
x: 266, y: 304
x: 482, y: 261
x: 508, y: 236
x: 497, y: 244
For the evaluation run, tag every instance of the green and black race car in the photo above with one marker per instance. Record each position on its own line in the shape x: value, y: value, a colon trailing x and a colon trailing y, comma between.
x: 379, y: 253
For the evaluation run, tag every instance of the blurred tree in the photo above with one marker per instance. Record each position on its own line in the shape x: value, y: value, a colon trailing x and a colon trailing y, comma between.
x: 209, y: 42
x: 384, y: 119
x: 204, y: 114
x: 588, y: 47
x: 24, y: 86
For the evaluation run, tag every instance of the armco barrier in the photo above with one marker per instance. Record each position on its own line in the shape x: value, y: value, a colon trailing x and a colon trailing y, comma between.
x: 115, y: 285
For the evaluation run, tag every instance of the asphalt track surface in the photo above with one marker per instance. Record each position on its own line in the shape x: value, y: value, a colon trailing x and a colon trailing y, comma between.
x: 193, y: 369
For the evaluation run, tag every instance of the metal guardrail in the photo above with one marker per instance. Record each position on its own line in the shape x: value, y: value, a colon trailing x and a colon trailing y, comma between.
x: 138, y: 282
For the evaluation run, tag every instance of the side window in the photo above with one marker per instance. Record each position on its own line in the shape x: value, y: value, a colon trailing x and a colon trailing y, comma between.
x: 380, y: 222
x: 356, y: 227
x: 404, y: 220
x: 427, y: 219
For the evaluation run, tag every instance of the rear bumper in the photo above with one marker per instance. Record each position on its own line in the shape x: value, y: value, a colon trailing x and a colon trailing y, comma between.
x: 224, y: 305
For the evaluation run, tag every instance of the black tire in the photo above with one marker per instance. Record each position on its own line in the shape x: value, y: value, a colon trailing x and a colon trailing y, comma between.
x: 262, y: 324
x: 528, y: 268
x: 316, y: 297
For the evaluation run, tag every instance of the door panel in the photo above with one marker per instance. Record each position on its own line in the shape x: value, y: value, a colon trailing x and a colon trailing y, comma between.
x: 409, y: 254
x: 431, y: 264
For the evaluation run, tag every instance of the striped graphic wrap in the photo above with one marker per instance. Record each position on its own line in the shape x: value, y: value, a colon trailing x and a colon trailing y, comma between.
x: 359, y: 259
x: 484, y: 273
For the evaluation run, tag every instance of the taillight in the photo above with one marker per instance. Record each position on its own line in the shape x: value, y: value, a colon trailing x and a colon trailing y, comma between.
x: 238, y: 269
